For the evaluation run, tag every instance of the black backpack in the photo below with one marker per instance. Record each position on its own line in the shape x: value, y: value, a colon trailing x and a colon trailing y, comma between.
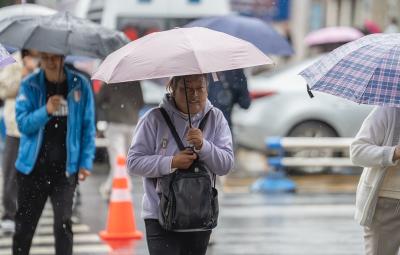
x: 188, y: 198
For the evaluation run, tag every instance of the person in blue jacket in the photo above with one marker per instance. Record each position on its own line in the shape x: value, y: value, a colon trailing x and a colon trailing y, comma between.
x: 55, y: 115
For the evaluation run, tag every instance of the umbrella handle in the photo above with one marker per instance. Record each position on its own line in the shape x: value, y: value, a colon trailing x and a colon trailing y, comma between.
x: 58, y: 83
x: 187, y: 102
x: 310, y: 94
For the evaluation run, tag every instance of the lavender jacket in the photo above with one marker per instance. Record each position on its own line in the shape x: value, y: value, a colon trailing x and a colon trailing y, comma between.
x: 153, y: 147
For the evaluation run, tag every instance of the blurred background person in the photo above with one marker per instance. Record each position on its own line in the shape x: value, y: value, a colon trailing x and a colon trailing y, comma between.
x: 52, y: 159
x: 119, y: 106
x: 228, y: 90
x: 10, y: 79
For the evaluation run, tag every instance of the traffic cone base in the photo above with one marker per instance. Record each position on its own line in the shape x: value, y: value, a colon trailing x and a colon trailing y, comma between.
x: 118, y: 228
x: 106, y: 236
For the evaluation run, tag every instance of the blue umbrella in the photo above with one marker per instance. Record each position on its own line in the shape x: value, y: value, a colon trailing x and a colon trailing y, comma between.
x: 253, y: 30
x: 5, y: 57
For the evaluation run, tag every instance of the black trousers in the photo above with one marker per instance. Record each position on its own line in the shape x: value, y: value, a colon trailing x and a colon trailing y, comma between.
x: 33, y: 191
x: 9, y: 178
x: 162, y: 242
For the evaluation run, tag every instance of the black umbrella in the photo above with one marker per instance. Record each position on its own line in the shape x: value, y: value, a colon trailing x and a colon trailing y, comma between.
x: 61, y: 33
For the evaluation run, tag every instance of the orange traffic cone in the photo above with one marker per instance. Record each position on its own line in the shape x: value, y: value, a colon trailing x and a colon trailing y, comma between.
x: 121, y: 228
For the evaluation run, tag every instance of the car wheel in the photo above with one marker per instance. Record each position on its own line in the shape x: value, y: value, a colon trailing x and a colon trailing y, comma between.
x: 312, y: 129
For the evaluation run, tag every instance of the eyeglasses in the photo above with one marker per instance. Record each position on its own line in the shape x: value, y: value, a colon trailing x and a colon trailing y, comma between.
x: 194, y: 91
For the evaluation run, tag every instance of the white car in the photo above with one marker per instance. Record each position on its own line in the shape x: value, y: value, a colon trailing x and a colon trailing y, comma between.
x: 285, y: 109
x: 153, y: 92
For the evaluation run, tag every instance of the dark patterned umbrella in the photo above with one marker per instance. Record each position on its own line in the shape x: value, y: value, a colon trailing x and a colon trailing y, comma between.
x: 366, y: 71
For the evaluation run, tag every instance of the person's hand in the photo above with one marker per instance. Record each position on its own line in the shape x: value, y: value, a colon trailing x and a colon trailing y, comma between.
x: 53, y: 104
x: 396, y: 154
x: 83, y: 173
x: 195, y: 138
x: 184, y: 159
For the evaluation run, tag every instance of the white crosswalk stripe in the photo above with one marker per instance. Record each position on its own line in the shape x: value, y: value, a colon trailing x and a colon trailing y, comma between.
x: 76, y: 228
x: 286, y: 225
x: 85, y: 241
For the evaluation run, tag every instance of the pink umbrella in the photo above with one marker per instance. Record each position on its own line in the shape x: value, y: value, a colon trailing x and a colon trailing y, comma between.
x: 180, y: 51
x: 372, y: 27
x: 330, y: 35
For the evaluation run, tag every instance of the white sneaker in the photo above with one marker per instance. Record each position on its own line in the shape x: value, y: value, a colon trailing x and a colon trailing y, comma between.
x: 7, y: 226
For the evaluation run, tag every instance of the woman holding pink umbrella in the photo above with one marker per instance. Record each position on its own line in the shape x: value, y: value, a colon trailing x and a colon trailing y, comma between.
x: 171, y: 139
x: 154, y: 154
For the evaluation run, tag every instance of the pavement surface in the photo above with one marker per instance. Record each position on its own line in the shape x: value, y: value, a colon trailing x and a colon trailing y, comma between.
x: 317, y: 219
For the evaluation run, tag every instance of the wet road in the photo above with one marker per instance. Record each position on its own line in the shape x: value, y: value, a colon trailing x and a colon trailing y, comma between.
x: 304, y: 223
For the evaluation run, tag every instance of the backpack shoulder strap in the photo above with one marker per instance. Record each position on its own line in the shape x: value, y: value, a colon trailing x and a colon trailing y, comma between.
x: 204, y: 120
x: 172, y: 129
x: 201, y: 127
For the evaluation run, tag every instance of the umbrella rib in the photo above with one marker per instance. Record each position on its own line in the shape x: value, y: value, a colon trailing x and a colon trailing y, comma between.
x: 112, y: 75
x: 68, y: 51
x: 193, y: 51
x: 30, y: 36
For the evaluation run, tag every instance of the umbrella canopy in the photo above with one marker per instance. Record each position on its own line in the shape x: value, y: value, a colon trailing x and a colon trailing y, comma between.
x: 5, y: 57
x: 254, y: 30
x: 331, y: 35
x: 372, y: 27
x: 61, y: 33
x: 365, y: 71
x: 180, y: 51
x: 25, y: 10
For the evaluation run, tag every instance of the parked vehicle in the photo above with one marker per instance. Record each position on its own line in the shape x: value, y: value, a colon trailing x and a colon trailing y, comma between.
x: 282, y: 107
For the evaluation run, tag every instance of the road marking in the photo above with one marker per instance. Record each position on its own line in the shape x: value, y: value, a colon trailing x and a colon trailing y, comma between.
x: 43, y: 241
x: 78, y: 228
x: 49, y: 239
x: 78, y: 249
x: 288, y: 211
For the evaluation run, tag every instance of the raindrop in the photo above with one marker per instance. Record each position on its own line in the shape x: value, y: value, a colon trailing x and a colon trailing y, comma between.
x: 56, y: 125
x: 122, y: 105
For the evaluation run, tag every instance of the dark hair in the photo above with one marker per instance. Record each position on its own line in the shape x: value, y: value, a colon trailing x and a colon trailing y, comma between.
x: 25, y: 53
x: 173, y: 83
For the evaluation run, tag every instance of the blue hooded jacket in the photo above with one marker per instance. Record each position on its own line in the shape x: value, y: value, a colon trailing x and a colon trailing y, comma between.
x: 32, y: 117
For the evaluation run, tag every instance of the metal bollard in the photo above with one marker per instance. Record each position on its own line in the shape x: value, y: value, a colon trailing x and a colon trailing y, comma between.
x: 276, y: 181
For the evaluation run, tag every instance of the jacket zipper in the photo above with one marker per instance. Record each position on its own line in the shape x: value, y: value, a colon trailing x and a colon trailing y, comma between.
x: 40, y: 138
x: 67, y: 173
